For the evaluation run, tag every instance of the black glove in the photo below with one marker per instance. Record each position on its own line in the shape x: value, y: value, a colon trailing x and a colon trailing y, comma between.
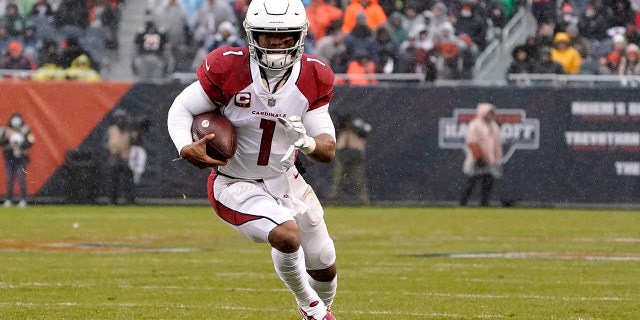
x: 481, y: 163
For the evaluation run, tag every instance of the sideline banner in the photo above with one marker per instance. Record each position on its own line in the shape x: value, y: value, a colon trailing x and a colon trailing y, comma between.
x: 562, y: 145
x: 61, y: 114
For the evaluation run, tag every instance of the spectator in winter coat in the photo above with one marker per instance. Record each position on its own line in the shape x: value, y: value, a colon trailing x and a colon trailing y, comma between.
x: 437, y: 16
x: 388, y: 52
x: 630, y: 64
x: 321, y: 17
x: 610, y: 64
x: 591, y: 25
x: 13, y: 20
x: 41, y: 9
x: 17, y: 60
x: 226, y: 36
x: 210, y: 16
x: 544, y: 63
x: 622, y: 13
x: 565, y: 54
x: 396, y: 25
x: 414, y: 21
x: 472, y: 24
x: 173, y: 19
x: 361, y: 39
x: 373, y: 12
x: 521, y: 61
x: 544, y: 11
x: 74, y: 49
x: 72, y: 13
x: 361, y: 69
x: 81, y: 70
x: 331, y: 49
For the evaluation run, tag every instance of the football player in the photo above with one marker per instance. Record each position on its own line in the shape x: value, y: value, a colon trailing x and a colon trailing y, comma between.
x: 278, y: 99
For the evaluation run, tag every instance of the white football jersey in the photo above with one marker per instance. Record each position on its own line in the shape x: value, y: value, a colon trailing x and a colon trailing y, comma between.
x: 253, y: 109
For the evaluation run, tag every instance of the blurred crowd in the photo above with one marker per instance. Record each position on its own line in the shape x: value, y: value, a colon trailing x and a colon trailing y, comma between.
x: 58, y: 39
x: 437, y: 39
x: 433, y: 38
x: 592, y: 37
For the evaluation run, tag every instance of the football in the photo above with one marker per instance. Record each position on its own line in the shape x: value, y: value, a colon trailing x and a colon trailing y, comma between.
x: 223, y: 146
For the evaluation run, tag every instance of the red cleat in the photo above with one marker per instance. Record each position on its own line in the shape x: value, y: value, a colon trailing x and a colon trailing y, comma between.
x: 327, y: 316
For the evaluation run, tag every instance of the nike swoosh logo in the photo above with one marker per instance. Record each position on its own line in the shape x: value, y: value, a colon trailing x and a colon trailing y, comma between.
x: 206, y: 64
x: 295, y: 175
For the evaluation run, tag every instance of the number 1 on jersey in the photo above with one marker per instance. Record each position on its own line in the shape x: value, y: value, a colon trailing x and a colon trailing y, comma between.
x: 268, y: 128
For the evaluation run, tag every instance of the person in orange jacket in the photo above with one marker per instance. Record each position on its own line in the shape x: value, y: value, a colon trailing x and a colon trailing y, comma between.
x: 361, y: 71
x: 372, y: 10
x: 321, y: 16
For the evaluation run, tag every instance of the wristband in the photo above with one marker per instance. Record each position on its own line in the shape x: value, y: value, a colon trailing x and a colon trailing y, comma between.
x: 309, y: 146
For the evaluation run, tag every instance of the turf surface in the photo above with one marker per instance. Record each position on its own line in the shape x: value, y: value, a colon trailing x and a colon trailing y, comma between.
x: 100, y: 262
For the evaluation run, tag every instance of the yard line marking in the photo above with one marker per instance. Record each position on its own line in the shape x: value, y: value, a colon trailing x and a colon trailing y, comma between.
x: 12, y: 245
x: 621, y: 257
x: 492, y: 296
x: 524, y: 281
x: 535, y: 239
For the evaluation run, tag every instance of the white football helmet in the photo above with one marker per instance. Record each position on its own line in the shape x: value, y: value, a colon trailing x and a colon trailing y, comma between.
x: 286, y: 16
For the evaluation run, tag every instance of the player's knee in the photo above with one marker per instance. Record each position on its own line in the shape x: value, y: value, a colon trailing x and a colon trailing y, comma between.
x: 324, y: 275
x: 321, y: 259
x: 285, y: 237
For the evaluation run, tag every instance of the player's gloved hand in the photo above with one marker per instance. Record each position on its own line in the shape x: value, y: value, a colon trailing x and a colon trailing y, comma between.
x: 297, y: 134
x: 481, y: 163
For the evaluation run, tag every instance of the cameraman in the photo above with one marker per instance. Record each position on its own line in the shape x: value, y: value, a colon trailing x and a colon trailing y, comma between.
x: 127, y: 158
x: 16, y: 138
x: 350, y: 158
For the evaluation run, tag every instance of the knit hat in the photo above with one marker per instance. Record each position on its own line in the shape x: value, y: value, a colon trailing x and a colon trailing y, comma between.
x: 15, y: 46
x: 632, y: 50
x: 545, y: 50
x: 619, y: 38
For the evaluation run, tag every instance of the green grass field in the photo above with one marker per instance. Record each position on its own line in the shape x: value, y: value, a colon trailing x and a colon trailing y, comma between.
x: 85, y: 262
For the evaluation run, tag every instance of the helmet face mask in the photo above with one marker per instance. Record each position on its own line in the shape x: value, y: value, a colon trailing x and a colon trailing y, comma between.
x: 272, y: 17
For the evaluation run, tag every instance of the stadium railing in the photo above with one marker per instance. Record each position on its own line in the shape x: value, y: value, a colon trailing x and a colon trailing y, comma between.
x: 394, y: 79
x: 573, y: 80
x: 11, y: 74
x: 492, y: 63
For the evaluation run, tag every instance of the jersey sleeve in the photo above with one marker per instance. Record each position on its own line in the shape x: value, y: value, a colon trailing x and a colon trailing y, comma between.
x: 224, y: 71
x: 318, y: 121
x: 316, y: 81
x: 191, y: 101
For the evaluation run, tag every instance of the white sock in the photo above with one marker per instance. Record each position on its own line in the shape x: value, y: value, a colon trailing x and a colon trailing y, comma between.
x: 326, y: 290
x: 291, y: 269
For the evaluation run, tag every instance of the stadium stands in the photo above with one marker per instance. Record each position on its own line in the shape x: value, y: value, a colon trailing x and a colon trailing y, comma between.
x: 106, y: 30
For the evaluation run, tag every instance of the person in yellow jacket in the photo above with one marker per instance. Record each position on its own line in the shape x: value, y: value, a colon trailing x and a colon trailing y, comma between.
x: 49, y: 71
x: 81, y: 69
x: 566, y: 55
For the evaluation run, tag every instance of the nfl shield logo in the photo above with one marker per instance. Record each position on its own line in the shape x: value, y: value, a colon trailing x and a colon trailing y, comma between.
x: 271, y: 102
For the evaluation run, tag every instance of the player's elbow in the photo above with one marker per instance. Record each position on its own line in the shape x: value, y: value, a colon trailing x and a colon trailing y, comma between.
x: 325, y: 150
x: 325, y: 157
